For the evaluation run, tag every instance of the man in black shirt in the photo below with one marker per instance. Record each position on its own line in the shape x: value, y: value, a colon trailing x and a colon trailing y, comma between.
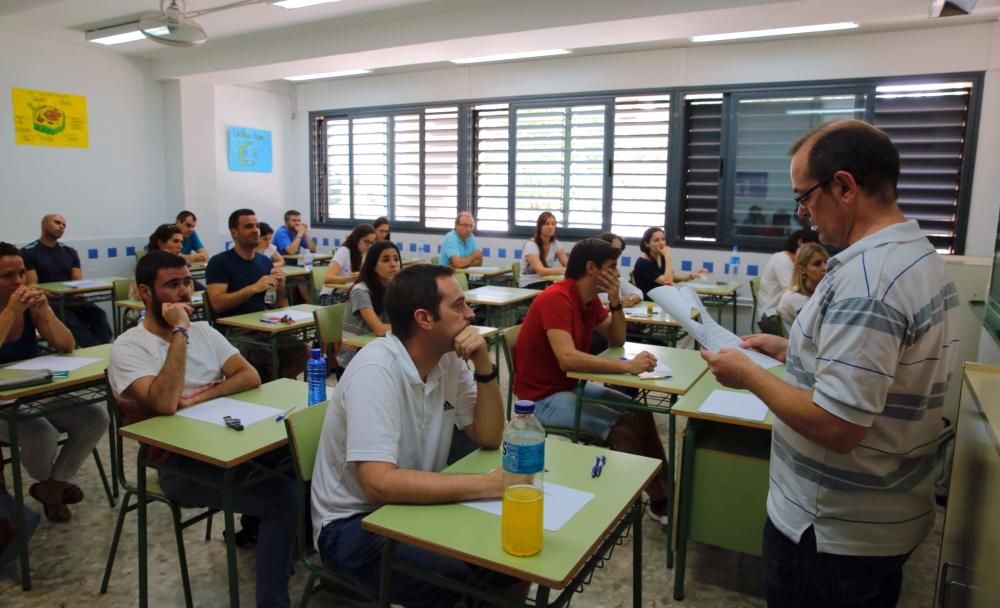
x: 47, y: 260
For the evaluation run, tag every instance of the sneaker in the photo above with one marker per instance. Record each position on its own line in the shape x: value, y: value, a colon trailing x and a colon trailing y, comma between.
x: 659, y: 511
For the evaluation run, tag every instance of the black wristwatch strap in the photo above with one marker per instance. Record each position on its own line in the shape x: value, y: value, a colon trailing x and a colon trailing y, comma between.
x: 616, y: 307
x: 484, y: 378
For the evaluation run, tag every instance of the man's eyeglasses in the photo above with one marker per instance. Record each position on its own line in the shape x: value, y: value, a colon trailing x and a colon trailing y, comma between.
x: 801, y: 199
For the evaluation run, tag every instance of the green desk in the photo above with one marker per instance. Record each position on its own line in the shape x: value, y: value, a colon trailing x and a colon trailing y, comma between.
x: 717, y: 296
x: 480, y: 276
x: 725, y: 463
x: 83, y: 386
x: 502, y: 304
x: 64, y: 295
x: 659, y: 327
x: 268, y: 335
x: 198, y: 270
x: 318, y: 259
x: 687, y: 366
x: 218, y: 445
x: 569, y: 555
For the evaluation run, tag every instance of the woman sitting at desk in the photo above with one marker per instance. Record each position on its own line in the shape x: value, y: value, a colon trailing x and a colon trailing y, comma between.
x: 343, y: 269
x: 810, y: 268
x: 541, y: 254
x: 653, y: 268
x: 23, y: 310
x: 167, y: 237
x: 267, y: 248
x: 365, y: 307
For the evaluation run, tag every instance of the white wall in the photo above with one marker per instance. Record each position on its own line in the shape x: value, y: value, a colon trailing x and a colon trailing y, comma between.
x: 107, y: 191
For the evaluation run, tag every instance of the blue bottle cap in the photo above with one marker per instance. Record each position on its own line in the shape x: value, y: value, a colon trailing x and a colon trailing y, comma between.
x: 316, y: 353
x: 524, y: 407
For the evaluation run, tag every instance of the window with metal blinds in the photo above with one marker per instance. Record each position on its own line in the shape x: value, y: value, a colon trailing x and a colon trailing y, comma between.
x: 491, y: 176
x: 927, y: 123
x: 702, y: 167
x: 639, y: 170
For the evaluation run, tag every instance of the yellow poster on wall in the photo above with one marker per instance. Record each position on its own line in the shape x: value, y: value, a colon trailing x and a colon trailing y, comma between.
x: 44, y: 118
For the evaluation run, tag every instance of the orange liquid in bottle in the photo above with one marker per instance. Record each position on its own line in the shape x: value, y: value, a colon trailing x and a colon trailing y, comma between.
x: 521, y: 520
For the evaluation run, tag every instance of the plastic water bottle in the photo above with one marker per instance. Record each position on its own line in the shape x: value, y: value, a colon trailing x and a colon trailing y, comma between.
x: 270, y: 296
x: 734, y: 263
x: 523, y: 494
x: 316, y: 376
x: 307, y: 260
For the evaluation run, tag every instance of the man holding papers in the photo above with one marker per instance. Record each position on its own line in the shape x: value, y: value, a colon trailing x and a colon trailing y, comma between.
x: 555, y: 339
x: 23, y: 310
x: 167, y: 363
x: 867, y: 365
x: 389, y: 427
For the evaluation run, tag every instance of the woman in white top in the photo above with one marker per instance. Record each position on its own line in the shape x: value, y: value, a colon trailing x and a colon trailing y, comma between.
x: 810, y: 268
x: 778, y: 271
x: 541, y: 253
x: 345, y: 265
x: 266, y: 248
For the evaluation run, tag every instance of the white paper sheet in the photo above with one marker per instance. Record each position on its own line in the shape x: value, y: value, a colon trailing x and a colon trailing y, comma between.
x: 642, y: 311
x: 216, y: 409
x: 735, y: 405
x: 294, y: 315
x: 55, y: 363
x: 714, y: 337
x: 490, y: 292
x: 197, y: 298
x: 561, y: 504
x: 662, y: 370
x: 482, y: 269
x: 85, y: 283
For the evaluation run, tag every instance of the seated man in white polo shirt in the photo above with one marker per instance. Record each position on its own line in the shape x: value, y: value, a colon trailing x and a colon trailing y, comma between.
x: 389, y: 427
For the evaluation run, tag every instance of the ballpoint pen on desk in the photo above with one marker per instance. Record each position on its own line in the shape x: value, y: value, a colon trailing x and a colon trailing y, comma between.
x: 598, y: 466
x: 60, y: 374
x: 285, y: 414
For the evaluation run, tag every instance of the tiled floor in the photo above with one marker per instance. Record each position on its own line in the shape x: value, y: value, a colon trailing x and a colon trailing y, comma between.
x: 68, y: 562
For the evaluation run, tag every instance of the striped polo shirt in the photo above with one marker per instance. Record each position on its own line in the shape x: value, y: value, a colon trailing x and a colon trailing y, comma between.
x: 876, y: 344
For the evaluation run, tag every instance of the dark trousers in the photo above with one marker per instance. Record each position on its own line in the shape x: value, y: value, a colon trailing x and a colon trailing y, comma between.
x: 797, y: 575
x: 88, y: 323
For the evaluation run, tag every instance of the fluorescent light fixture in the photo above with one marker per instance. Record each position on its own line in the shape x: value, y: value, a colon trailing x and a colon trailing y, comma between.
x: 512, y: 56
x: 290, y: 4
x: 781, y: 31
x: 913, y: 88
x: 328, y: 75
x: 120, y: 34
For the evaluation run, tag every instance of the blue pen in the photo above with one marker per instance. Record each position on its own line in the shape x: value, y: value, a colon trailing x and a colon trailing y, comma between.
x: 284, y: 414
x: 598, y: 466
x: 61, y: 374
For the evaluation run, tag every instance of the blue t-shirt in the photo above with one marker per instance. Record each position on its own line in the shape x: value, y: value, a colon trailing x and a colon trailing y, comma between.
x: 452, y: 245
x: 191, y: 243
x: 229, y: 268
x: 283, y: 237
x: 51, y: 263
x: 24, y: 347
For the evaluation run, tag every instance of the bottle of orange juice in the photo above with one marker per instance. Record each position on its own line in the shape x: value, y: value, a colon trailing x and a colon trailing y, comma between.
x: 523, y: 468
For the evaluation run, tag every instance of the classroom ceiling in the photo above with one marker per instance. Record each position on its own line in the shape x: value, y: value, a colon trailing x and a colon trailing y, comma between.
x: 264, y: 42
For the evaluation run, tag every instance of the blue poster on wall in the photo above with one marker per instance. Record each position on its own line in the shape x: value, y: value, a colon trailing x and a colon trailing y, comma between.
x: 249, y: 150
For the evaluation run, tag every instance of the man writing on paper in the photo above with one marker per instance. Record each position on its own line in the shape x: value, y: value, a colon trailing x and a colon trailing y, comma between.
x: 555, y: 338
x: 867, y: 365
x: 459, y: 249
x: 238, y: 281
x: 47, y: 260
x: 167, y: 363
x: 387, y: 433
x: 24, y: 315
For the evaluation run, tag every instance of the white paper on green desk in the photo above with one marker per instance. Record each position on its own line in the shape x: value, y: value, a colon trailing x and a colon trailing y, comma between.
x: 561, y: 504
x: 85, y: 283
x: 481, y: 269
x: 642, y: 311
x: 490, y: 292
x: 735, y: 405
x: 55, y: 363
x: 714, y: 337
x: 215, y: 410
x: 294, y: 315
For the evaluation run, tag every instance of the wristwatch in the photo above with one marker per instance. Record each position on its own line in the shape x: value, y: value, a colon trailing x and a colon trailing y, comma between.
x: 484, y: 378
x: 616, y: 307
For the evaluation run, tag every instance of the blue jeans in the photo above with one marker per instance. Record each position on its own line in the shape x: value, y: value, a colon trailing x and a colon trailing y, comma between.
x: 275, y: 501
x: 349, y: 549
x: 596, y: 420
x: 797, y: 575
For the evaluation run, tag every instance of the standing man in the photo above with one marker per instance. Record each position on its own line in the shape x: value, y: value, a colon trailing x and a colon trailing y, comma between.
x: 192, y: 248
x: 867, y: 366
x: 238, y: 280
x: 293, y: 235
x: 389, y: 426
x: 459, y: 248
x: 167, y: 363
x: 47, y: 260
x: 555, y: 338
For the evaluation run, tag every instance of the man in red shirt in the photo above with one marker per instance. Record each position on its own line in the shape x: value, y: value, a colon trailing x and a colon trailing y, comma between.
x: 555, y: 339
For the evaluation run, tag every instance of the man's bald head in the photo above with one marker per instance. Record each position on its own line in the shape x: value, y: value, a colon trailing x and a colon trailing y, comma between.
x: 53, y: 226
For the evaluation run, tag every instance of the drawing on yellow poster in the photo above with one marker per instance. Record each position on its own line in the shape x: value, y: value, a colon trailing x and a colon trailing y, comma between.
x: 43, y: 118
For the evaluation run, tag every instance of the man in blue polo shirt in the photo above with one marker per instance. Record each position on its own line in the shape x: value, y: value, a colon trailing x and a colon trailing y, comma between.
x: 459, y: 249
x: 192, y: 248
x: 290, y: 238
x: 238, y: 281
x: 47, y: 260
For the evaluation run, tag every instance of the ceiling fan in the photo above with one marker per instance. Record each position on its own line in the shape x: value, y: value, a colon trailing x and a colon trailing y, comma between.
x: 175, y: 26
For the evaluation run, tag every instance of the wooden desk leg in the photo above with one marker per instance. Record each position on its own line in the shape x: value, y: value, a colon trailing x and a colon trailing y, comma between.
x: 20, y: 531
x: 684, y: 510
x: 385, y: 581
x: 227, y: 507
x: 637, y: 554
x: 141, y: 519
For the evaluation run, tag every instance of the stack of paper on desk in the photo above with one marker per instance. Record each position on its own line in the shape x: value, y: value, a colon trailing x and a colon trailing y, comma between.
x: 678, y: 304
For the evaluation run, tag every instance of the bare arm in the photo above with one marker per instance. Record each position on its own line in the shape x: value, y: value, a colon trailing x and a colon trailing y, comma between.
x: 562, y: 257
x: 573, y: 360
x: 31, y: 277
x: 76, y: 274
x: 470, y: 260
x: 162, y: 393
x: 384, y: 483
x: 223, y: 300
x: 239, y: 376
x: 333, y: 276
x: 372, y: 321
x: 488, y: 420
x: 52, y: 329
x: 543, y: 271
